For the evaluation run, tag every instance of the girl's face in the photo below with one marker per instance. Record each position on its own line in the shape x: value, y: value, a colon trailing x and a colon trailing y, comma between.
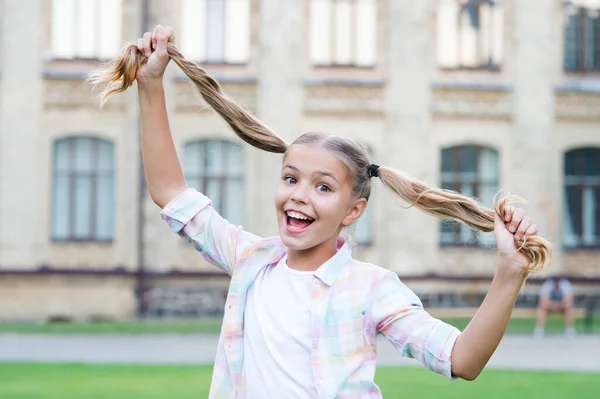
x: 314, y: 198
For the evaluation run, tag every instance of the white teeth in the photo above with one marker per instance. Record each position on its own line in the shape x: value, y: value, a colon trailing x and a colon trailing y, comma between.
x: 297, y: 215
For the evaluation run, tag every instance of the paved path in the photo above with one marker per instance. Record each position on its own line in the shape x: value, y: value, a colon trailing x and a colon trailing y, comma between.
x: 516, y: 352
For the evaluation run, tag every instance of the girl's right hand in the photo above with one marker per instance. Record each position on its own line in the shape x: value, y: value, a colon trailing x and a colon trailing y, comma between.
x: 154, y: 47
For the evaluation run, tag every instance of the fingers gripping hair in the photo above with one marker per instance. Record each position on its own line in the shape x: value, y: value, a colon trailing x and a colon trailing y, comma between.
x: 450, y: 205
x: 122, y: 73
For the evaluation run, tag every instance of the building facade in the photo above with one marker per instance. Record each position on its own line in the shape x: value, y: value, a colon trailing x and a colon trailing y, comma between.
x: 475, y: 96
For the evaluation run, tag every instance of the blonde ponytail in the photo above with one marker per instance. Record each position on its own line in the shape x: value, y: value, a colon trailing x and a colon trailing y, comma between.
x: 121, y: 75
x: 450, y: 205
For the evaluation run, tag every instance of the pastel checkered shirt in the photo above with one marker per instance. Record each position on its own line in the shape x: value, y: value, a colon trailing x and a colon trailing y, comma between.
x: 352, y: 302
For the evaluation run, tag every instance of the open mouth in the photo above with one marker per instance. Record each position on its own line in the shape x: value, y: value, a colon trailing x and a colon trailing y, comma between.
x: 297, y: 222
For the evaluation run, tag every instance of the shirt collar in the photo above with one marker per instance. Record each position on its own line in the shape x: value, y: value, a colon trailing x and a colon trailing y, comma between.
x: 329, y: 271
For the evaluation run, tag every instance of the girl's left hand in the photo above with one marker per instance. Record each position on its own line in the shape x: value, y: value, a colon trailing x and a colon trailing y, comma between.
x: 509, y: 233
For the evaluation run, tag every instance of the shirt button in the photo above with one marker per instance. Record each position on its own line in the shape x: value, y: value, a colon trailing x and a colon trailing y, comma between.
x: 315, y: 343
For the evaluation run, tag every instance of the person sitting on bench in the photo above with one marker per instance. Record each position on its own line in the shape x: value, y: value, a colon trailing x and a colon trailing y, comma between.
x: 556, y: 295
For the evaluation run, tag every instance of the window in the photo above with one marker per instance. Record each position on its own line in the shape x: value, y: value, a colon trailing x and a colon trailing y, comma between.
x: 216, y: 168
x: 582, y: 36
x: 472, y: 171
x: 83, y: 197
x: 470, y: 33
x: 363, y: 228
x: 216, y: 30
x: 88, y: 29
x: 343, y: 32
x: 582, y: 198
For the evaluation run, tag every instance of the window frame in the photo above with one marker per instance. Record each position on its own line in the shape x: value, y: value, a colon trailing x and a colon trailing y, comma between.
x: 76, y: 39
x: 352, y: 41
x: 224, y: 177
x: 72, y: 174
x: 579, y: 155
x: 460, y: 65
x: 370, y: 242
x: 458, y: 183
x: 581, y: 13
x: 206, y: 38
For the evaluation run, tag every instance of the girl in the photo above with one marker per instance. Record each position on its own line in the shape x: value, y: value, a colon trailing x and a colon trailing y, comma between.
x: 301, y: 316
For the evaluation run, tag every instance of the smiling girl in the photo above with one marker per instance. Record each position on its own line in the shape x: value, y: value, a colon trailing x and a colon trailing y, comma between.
x: 302, y: 316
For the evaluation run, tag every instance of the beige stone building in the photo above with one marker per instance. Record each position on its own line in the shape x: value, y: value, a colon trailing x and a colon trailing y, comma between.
x: 476, y: 96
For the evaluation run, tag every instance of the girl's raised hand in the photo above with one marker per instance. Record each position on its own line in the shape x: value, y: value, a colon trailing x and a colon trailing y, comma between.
x: 510, y: 232
x: 154, y: 47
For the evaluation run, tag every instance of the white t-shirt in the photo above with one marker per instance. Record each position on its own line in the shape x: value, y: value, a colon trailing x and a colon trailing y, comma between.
x: 278, y: 335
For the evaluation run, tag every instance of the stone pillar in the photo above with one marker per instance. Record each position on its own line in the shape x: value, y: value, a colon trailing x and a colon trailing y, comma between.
x: 280, y: 56
x: 531, y: 154
x: 156, y: 239
x: 21, y: 106
x: 150, y: 231
x: 408, y: 236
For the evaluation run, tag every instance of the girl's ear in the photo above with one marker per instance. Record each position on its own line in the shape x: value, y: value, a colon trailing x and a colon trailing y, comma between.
x: 357, y: 209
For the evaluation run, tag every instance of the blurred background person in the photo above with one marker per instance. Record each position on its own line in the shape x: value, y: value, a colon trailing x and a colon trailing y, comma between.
x: 556, y: 295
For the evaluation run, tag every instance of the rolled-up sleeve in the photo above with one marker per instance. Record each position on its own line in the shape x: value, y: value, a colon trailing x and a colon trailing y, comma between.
x: 192, y: 217
x: 400, y: 317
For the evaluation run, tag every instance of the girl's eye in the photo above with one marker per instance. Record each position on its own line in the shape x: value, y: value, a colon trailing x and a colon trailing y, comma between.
x: 289, y: 180
x: 323, y: 188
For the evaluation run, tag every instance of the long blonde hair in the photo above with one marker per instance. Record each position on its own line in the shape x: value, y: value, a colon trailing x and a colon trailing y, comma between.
x: 443, y: 204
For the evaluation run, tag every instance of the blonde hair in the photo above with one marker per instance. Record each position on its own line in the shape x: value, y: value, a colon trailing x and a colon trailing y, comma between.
x: 443, y: 204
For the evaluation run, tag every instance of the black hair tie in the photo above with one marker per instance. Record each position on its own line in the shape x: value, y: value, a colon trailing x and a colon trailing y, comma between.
x: 372, y: 170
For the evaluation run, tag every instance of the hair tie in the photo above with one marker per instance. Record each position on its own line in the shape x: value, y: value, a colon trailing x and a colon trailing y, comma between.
x: 372, y: 170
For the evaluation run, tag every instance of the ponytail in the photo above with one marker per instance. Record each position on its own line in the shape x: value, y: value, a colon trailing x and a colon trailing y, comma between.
x: 450, y: 205
x: 121, y: 75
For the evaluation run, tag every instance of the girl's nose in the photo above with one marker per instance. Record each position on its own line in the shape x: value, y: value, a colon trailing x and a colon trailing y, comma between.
x: 299, y: 194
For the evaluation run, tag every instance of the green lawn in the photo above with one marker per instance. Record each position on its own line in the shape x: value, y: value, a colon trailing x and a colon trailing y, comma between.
x: 213, y: 325
x: 66, y: 381
x: 153, y: 326
x: 554, y: 325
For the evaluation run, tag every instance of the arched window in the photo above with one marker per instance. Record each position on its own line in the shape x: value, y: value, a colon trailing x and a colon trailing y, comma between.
x: 83, y: 190
x: 217, y: 169
x: 581, y: 226
x: 472, y: 171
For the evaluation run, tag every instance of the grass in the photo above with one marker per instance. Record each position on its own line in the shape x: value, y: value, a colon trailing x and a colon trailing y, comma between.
x: 554, y: 325
x: 65, y: 381
x: 213, y: 326
x: 206, y: 325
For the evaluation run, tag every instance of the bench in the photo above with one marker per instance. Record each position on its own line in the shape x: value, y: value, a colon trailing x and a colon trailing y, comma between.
x: 517, y: 313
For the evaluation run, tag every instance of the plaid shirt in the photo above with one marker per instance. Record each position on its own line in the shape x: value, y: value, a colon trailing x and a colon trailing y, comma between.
x: 352, y: 302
